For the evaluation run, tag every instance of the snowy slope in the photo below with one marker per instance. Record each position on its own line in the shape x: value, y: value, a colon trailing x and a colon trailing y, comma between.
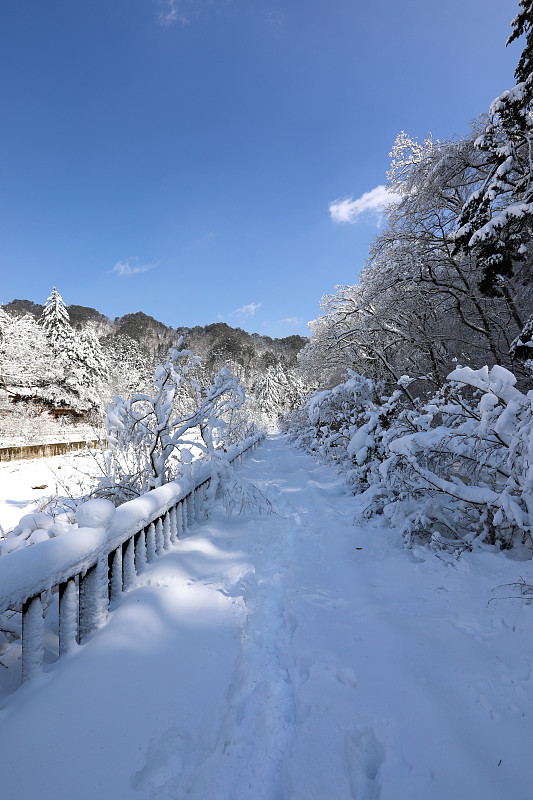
x: 289, y: 657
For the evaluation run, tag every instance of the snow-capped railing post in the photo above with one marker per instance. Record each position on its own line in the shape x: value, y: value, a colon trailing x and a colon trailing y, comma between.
x: 150, y: 543
x: 179, y: 519
x: 159, y: 539
x: 188, y: 512
x: 173, y: 524
x: 167, y: 538
x: 115, y: 574
x: 94, y: 598
x: 140, y: 551
x: 68, y: 616
x: 32, y: 637
x: 128, y: 563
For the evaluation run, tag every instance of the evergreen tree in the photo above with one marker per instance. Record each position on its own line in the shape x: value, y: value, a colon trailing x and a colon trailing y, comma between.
x: 277, y: 391
x: 75, y: 360
x: 496, y: 222
x: 523, y: 24
x: 92, y: 366
x: 56, y: 322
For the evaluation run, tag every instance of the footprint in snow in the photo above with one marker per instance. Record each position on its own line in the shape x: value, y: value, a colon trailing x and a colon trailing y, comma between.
x: 165, y: 760
x: 365, y: 755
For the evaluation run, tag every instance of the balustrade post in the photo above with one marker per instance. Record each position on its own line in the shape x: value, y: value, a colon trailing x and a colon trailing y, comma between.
x: 150, y: 543
x: 32, y: 637
x: 207, y: 497
x: 115, y: 567
x: 140, y: 552
x: 194, y: 507
x: 159, y: 538
x: 173, y: 525
x: 200, y: 504
x: 128, y: 563
x: 166, y: 531
x: 187, y: 519
x: 68, y: 616
x: 179, y: 518
x: 94, y: 598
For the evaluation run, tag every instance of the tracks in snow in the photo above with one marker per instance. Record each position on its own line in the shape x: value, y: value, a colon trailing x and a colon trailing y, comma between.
x: 268, y: 719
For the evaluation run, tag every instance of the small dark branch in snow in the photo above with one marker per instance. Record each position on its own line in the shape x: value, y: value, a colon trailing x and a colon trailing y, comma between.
x: 526, y: 591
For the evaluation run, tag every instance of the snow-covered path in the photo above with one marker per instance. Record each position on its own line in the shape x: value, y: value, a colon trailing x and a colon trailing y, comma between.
x: 289, y: 657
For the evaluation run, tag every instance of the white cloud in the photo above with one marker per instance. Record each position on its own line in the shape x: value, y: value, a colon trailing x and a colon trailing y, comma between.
x: 171, y: 12
x: 292, y: 320
x: 126, y: 267
x: 247, y: 311
x: 348, y: 209
x: 182, y: 12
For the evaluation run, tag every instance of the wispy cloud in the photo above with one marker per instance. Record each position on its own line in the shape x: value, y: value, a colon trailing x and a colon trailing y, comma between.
x: 129, y: 267
x: 292, y: 320
x: 247, y: 311
x: 182, y: 12
x: 275, y: 20
x: 349, y: 209
x: 172, y: 12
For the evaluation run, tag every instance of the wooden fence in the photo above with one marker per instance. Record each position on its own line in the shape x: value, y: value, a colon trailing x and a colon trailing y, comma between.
x: 91, y: 567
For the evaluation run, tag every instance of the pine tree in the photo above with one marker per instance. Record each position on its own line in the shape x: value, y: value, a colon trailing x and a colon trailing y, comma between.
x: 495, y: 222
x: 92, y: 365
x: 72, y: 357
x: 56, y: 322
x: 276, y: 392
x: 523, y: 24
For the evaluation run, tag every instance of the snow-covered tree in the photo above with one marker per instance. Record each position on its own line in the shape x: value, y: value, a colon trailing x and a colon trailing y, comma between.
x: 25, y: 355
x: 277, y: 391
x: 130, y: 368
x: 522, y: 25
x: 93, y: 367
x: 496, y: 222
x: 56, y: 322
x: 418, y: 304
x: 78, y: 368
x: 150, y: 435
x: 522, y: 346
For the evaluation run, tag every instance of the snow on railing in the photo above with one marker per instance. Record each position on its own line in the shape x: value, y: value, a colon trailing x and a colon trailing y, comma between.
x: 91, y: 567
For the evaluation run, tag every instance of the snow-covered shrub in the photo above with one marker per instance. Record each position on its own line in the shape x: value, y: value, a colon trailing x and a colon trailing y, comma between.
x: 346, y: 425
x: 460, y: 468
x: 326, y: 420
x: 150, y: 436
x: 449, y: 470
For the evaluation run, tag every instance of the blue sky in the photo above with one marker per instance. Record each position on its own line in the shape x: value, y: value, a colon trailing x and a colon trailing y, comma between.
x: 180, y: 158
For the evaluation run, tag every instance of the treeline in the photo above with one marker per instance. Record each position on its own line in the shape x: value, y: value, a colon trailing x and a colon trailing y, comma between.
x: 74, y: 358
x: 434, y: 422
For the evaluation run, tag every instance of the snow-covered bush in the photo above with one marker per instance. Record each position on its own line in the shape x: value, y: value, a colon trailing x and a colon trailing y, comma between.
x: 346, y: 425
x: 460, y: 468
x: 450, y: 470
x: 150, y: 436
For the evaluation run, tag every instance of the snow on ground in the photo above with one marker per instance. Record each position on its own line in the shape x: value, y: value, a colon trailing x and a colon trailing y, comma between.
x: 289, y: 657
x: 28, y: 485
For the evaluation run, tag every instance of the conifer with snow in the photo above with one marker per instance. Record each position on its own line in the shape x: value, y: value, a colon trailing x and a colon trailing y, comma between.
x: 56, y: 322
x: 496, y: 222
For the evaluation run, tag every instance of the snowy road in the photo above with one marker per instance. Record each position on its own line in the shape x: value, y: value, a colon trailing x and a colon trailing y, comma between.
x: 289, y: 657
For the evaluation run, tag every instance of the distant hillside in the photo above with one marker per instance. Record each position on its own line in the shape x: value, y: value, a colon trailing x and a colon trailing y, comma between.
x: 217, y: 343
x: 79, y: 315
